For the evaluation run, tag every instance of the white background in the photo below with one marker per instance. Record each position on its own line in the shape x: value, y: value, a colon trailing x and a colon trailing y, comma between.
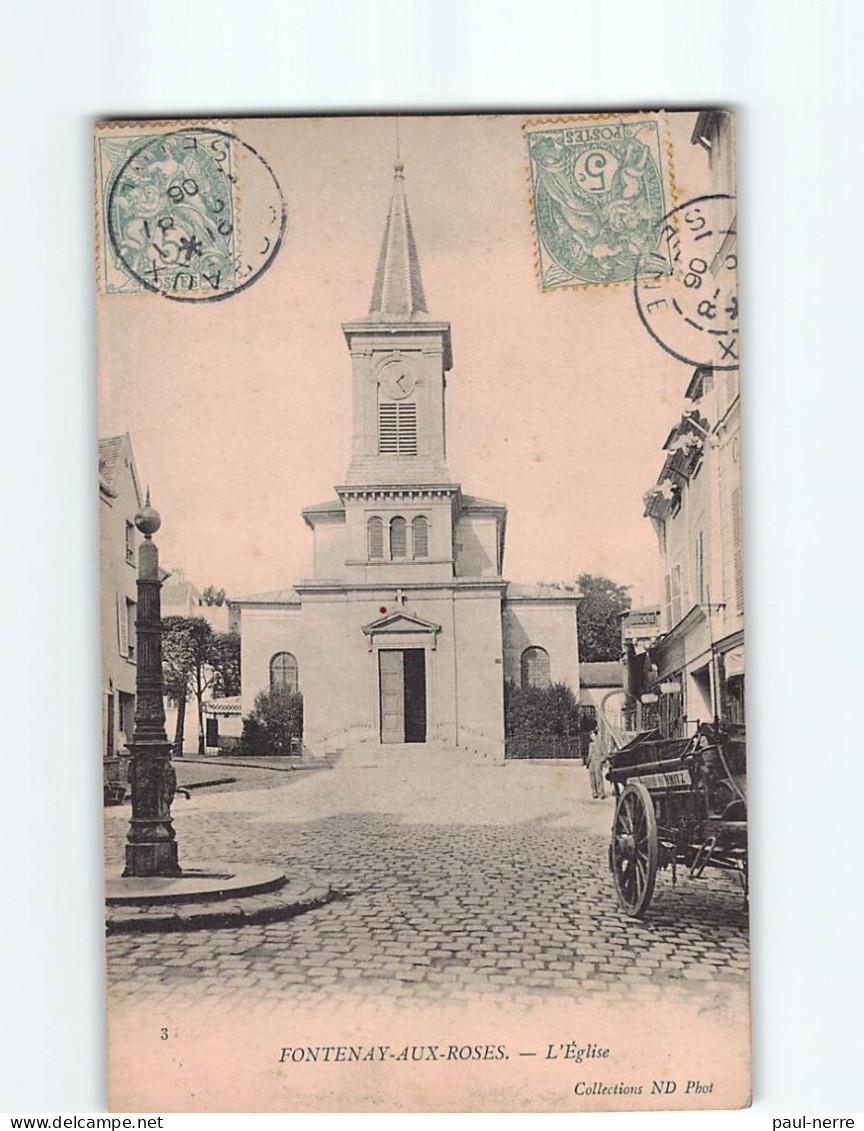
x: 794, y: 74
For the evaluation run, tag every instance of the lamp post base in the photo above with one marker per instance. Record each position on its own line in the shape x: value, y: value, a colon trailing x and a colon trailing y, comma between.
x: 153, y: 859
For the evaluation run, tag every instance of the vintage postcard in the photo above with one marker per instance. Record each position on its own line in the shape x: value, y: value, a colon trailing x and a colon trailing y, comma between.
x: 422, y: 613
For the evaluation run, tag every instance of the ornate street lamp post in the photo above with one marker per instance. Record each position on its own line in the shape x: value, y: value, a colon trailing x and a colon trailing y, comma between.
x: 151, y: 847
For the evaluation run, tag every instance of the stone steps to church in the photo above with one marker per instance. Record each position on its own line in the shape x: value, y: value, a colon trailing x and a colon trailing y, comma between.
x: 403, y: 755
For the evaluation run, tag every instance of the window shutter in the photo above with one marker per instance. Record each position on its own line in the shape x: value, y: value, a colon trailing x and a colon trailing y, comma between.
x: 676, y: 594
x: 737, y: 550
x: 668, y: 584
x: 731, y: 387
x: 122, y: 625
x: 700, y: 567
x: 131, y: 613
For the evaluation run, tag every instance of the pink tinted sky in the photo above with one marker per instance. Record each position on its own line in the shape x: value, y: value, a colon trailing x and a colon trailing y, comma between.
x: 240, y: 410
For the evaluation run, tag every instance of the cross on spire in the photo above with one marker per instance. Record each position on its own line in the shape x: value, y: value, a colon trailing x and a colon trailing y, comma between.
x: 398, y: 289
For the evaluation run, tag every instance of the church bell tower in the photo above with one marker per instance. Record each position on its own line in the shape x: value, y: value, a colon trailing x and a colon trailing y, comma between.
x: 400, y: 358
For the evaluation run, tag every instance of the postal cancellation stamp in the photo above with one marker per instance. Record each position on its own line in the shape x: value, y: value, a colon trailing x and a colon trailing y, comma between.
x: 600, y: 189
x: 692, y: 311
x: 170, y: 212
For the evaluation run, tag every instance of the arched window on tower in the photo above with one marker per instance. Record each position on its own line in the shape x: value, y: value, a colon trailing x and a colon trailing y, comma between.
x: 398, y: 537
x: 375, y: 537
x: 420, y: 532
x: 535, y: 667
x: 283, y: 672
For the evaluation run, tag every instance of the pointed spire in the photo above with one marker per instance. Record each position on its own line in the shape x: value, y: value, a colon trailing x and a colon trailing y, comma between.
x: 398, y: 289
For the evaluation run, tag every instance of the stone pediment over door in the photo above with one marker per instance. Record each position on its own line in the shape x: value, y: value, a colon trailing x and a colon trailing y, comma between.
x: 400, y: 624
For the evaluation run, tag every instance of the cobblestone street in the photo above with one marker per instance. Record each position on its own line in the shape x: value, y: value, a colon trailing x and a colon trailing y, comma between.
x: 516, y: 902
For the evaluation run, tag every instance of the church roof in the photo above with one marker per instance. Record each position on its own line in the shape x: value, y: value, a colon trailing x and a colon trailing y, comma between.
x: 274, y: 597
x: 398, y: 289
x: 475, y: 502
x: 331, y: 506
x: 541, y: 593
x: 327, y: 507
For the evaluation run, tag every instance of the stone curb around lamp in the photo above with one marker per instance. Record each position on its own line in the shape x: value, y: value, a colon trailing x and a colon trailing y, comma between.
x: 294, y: 898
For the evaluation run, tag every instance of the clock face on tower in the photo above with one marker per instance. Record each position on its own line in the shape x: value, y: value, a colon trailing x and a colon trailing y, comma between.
x: 396, y: 380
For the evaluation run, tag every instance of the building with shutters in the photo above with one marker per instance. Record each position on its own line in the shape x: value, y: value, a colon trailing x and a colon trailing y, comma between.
x: 120, y: 499
x: 695, y: 508
x: 696, y: 664
x: 407, y: 630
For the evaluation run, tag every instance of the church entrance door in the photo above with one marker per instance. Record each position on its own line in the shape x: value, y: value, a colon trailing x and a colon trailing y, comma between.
x: 402, y: 682
x: 415, y: 695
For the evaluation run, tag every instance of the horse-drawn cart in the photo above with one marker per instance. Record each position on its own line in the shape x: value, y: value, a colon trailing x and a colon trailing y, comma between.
x: 680, y: 801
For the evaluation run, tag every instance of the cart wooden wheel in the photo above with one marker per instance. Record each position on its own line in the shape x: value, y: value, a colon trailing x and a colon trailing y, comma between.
x: 633, y: 852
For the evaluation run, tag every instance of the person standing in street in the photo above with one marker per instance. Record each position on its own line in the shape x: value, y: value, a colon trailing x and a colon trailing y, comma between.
x: 597, y: 760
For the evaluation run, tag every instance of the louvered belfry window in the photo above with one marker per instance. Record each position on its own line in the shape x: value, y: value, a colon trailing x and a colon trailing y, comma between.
x: 397, y: 428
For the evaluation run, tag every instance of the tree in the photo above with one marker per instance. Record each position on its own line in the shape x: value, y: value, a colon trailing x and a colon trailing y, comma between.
x: 178, y: 662
x: 213, y: 596
x: 225, y: 661
x: 275, y: 722
x: 203, y: 674
x: 598, y: 618
x: 196, y: 659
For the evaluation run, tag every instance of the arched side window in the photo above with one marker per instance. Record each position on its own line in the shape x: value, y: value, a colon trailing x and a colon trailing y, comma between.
x: 283, y: 672
x: 398, y: 537
x: 420, y: 531
x: 375, y: 537
x: 535, y: 667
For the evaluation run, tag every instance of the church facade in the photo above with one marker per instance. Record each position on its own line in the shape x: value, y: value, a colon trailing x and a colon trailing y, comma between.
x: 407, y: 630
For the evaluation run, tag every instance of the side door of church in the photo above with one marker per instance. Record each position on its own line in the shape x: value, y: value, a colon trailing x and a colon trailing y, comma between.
x: 391, y: 666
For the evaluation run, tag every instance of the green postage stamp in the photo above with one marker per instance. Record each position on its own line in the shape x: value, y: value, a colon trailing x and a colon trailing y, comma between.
x: 168, y: 211
x: 600, y: 189
x: 168, y: 197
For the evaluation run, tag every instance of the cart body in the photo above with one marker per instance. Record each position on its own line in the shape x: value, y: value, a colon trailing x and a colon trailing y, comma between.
x: 679, y: 801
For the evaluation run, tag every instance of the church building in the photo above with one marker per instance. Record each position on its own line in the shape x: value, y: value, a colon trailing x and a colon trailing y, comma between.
x: 408, y: 629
